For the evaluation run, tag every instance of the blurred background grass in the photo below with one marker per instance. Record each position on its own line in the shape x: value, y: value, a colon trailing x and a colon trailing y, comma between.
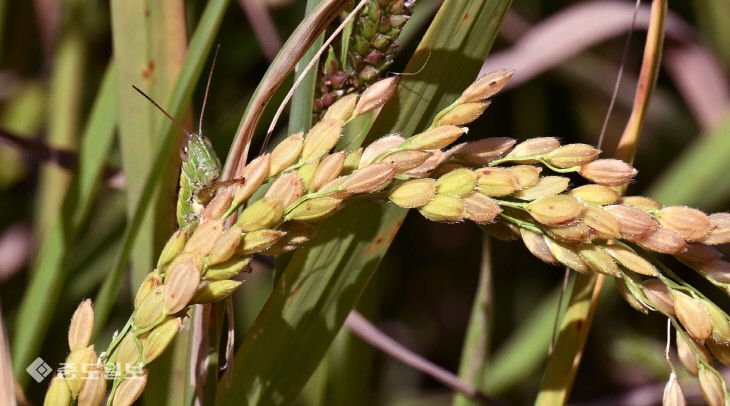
x: 53, y: 55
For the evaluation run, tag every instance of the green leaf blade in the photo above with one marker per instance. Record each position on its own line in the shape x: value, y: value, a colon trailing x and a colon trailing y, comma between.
x: 698, y: 178
x: 42, y: 295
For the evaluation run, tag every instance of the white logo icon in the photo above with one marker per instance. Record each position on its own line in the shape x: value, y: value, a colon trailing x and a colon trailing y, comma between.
x: 39, y: 370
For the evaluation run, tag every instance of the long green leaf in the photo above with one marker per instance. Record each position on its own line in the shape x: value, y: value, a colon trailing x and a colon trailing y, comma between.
x: 57, y: 191
x: 699, y: 177
x: 322, y: 284
x: 475, y: 352
x: 565, y: 358
x: 43, y: 292
x: 150, y: 58
x: 164, y: 53
x: 300, y: 116
x: 301, y: 317
x: 526, y: 349
x: 64, y: 108
x: 350, y: 361
x: 712, y: 16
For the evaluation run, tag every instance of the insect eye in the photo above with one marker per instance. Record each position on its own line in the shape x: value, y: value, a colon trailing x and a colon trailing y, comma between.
x: 184, y: 153
x: 208, y: 143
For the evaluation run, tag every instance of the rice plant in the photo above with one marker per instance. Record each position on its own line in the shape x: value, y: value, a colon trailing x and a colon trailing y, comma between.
x: 236, y: 263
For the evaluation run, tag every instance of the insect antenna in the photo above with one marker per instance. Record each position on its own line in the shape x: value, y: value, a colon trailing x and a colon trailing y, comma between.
x: 207, y: 88
x: 154, y: 103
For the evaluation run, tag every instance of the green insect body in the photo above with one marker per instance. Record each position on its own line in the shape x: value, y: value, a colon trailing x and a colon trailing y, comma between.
x: 200, y: 166
x: 200, y: 169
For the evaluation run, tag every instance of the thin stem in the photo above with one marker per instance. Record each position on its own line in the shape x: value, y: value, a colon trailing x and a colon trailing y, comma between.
x: 647, y: 81
x: 401, y: 147
x: 614, y: 94
x: 508, y: 159
x: 306, y: 197
x: 676, y: 282
x: 721, y: 285
x: 540, y: 158
x: 521, y: 223
x: 567, y: 275
x: 289, y: 169
x: 442, y: 113
x: 116, y: 383
x: 361, y: 327
x: 559, y: 170
x: 257, y: 14
x: 41, y: 151
x: 669, y: 344
x: 115, y: 342
x: 507, y: 203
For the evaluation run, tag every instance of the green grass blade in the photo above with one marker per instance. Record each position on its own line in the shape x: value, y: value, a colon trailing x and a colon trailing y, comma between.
x: 347, y: 370
x: 698, y: 178
x: 350, y: 360
x: 562, y: 366
x: 43, y: 292
x: 321, y: 284
x: 150, y: 58
x: 298, y: 322
x: 200, y: 45
x: 96, y: 142
x: 180, y: 353
x: 94, y: 253
x: 475, y: 352
x: 420, y: 18
x: 521, y: 354
x: 345, y: 42
x: 525, y: 350
x: 712, y: 16
x: 355, y: 132
x: 64, y: 108
x: 300, y: 116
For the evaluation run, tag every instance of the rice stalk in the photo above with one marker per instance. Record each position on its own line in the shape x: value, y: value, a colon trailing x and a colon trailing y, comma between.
x: 498, y: 185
